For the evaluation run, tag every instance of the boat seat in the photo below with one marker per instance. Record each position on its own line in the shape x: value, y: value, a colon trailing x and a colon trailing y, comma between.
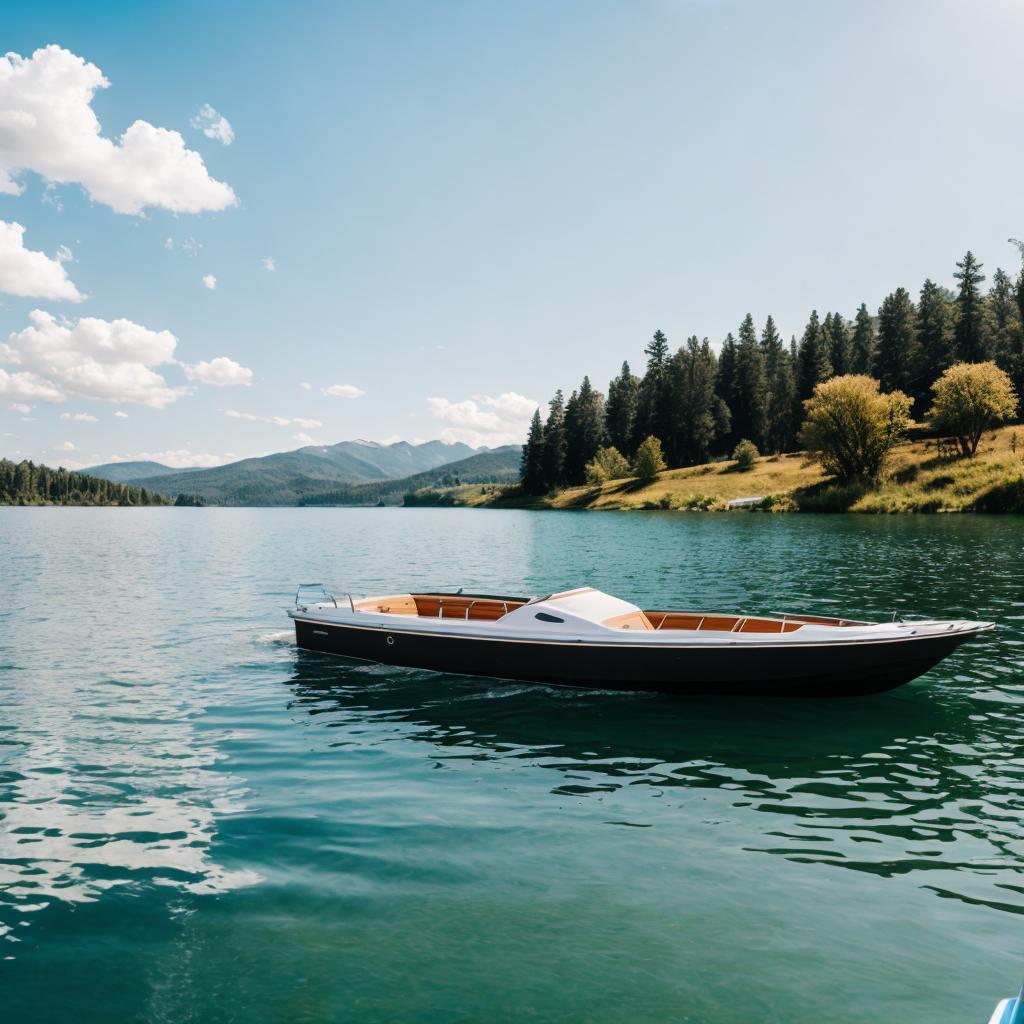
x: 455, y: 606
x: 720, y: 623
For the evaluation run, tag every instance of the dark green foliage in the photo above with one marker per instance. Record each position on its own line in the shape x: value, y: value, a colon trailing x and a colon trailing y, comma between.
x: 814, y: 360
x: 25, y: 483
x: 837, y: 334
x: 620, y: 410
x: 749, y: 403
x: 972, y: 343
x: 654, y: 402
x: 864, y: 344
x: 936, y: 316
x: 697, y: 415
x: 531, y: 468
x: 780, y: 421
x: 725, y: 381
x: 1005, y: 327
x: 1015, y: 357
x: 584, y: 431
x: 190, y: 501
x: 898, y: 348
x: 553, y: 457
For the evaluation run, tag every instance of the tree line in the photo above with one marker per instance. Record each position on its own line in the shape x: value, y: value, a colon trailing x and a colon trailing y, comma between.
x: 25, y: 483
x: 699, y: 404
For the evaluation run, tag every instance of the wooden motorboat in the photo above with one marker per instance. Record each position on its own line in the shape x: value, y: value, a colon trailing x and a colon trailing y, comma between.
x: 587, y: 638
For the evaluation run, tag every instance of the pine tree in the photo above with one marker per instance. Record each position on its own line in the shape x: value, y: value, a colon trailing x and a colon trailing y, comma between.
x: 814, y: 363
x: 1003, y: 323
x: 553, y: 456
x: 972, y: 345
x: 584, y: 431
x: 696, y: 416
x: 531, y: 468
x: 780, y: 429
x: 1016, y: 369
x: 620, y: 410
x: 750, y: 387
x: 837, y: 333
x: 935, y: 315
x: 898, y: 349
x: 653, y: 411
x: 725, y: 381
x: 864, y: 345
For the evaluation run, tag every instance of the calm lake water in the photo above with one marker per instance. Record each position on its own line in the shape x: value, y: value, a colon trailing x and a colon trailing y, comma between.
x: 201, y: 823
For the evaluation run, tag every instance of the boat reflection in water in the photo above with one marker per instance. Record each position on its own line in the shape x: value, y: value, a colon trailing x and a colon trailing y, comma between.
x: 909, y: 783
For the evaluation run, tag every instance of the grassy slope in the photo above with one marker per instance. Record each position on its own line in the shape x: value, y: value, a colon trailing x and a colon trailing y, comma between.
x: 917, y: 481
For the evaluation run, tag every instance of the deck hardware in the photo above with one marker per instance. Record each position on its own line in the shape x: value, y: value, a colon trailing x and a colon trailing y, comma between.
x: 391, y: 641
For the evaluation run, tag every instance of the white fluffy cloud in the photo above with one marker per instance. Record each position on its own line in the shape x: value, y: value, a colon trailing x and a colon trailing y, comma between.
x: 109, y: 360
x: 269, y: 263
x: 343, y: 391
x: 178, y: 458
x: 121, y: 415
x: 277, y: 421
x: 220, y: 372
x: 20, y: 407
x: 79, y: 417
x: 67, y: 446
x: 47, y: 125
x: 483, y: 420
x: 28, y: 273
x: 210, y: 281
x: 303, y: 439
x: 213, y: 125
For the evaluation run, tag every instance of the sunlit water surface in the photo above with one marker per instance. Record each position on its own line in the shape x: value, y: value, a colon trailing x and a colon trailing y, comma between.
x: 201, y: 823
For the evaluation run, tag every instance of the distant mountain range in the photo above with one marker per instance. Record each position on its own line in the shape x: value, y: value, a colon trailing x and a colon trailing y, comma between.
x: 287, y: 478
x: 496, y: 465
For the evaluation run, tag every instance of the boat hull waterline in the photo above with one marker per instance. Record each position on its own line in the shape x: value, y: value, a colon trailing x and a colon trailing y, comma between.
x: 813, y: 658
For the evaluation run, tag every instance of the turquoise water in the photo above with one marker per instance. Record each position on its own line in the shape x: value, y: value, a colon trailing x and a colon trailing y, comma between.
x: 201, y: 823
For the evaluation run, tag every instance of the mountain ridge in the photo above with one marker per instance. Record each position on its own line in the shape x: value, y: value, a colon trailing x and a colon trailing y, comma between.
x: 283, y: 478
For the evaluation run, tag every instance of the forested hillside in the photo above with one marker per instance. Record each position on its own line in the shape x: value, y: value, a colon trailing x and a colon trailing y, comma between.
x: 25, y: 483
x: 699, y: 405
x: 500, y: 466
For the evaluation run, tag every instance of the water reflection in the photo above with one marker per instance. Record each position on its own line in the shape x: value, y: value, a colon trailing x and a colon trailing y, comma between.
x: 925, y: 782
x: 96, y: 799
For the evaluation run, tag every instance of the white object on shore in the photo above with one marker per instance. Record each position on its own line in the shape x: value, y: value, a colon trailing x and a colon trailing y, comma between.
x: 745, y: 502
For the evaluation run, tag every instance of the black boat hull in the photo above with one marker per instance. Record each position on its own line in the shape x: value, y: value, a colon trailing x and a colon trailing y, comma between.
x: 817, y: 670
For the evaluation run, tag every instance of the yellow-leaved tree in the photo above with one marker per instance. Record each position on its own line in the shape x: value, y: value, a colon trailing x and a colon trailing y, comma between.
x: 969, y: 398
x: 851, y: 426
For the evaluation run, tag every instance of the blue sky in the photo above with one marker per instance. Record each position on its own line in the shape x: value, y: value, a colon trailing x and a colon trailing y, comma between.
x: 468, y: 205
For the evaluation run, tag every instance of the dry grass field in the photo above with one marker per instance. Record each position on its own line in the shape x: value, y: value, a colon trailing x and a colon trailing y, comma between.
x: 918, y: 478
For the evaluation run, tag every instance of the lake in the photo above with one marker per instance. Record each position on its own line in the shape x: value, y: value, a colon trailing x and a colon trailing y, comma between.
x: 202, y: 823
